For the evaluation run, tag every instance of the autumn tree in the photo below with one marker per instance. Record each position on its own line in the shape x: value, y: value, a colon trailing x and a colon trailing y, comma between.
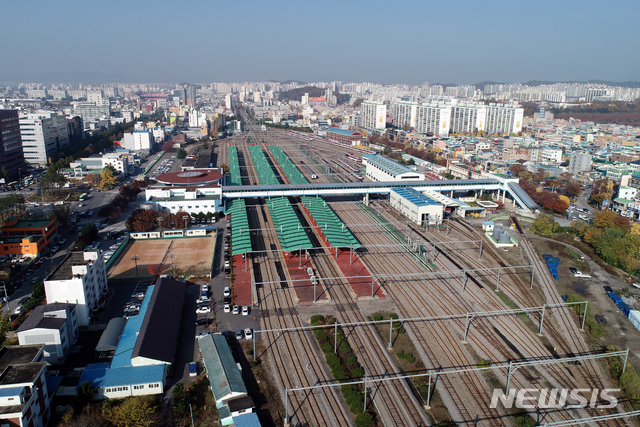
x: 139, y: 411
x: 141, y: 220
x: 545, y: 224
x: 156, y: 269
x: 605, y: 219
x: 108, y: 178
x: 572, y: 190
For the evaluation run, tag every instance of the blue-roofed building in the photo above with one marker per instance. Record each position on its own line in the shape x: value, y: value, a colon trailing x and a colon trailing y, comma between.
x: 118, y: 383
x: 418, y: 207
x: 246, y: 420
x: 380, y: 168
x: 225, y: 379
x: 345, y: 136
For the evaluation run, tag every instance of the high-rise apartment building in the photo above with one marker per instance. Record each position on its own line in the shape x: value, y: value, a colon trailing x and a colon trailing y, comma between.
x: 373, y: 115
x: 504, y: 119
x: 43, y: 134
x: 11, y: 155
x: 403, y: 114
x: 191, y: 96
x: 434, y: 118
x: 228, y: 102
x: 468, y: 118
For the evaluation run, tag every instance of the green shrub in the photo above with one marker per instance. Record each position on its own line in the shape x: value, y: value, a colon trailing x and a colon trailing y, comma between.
x: 524, y: 420
x: 357, y: 372
x: 393, y: 316
x: 344, y: 347
x: 330, y: 320
x: 339, y: 373
x: 377, y: 318
x: 320, y: 334
x: 630, y: 383
x: 401, y: 331
x: 364, y: 419
x: 316, y: 319
x: 249, y: 352
x: 332, y: 360
x: 484, y: 364
x: 254, y: 363
x: 351, y: 361
x: 326, y: 347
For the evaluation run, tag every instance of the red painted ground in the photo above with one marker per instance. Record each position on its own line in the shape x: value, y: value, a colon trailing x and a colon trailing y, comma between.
x: 304, y: 289
x: 241, y: 282
x: 361, y: 286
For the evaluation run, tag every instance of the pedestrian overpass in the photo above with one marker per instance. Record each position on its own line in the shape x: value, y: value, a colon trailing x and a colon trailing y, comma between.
x: 504, y: 186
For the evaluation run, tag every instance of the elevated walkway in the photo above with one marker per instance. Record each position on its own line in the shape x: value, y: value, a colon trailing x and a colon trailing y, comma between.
x: 521, y: 196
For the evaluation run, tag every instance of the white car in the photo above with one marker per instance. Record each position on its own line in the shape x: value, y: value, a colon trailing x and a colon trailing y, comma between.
x: 248, y: 333
x: 205, y: 288
x: 201, y: 300
x: 236, y: 309
x: 203, y: 309
x: 245, y: 310
x: 202, y: 335
x: 227, y: 308
x: 226, y: 291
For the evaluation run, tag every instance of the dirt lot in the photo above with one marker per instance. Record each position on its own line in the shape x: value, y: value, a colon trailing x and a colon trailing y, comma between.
x: 192, y: 255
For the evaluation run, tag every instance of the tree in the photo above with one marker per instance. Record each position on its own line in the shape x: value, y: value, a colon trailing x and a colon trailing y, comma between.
x: 5, y: 173
x: 51, y: 179
x: 182, y: 153
x: 90, y: 230
x: 572, y: 190
x: 605, y: 219
x: 141, y: 220
x: 545, y: 224
x: 107, y: 179
x: 132, y: 412
x: 215, y: 133
x: 205, y: 145
x: 156, y: 269
x: 85, y: 393
x: 92, y: 179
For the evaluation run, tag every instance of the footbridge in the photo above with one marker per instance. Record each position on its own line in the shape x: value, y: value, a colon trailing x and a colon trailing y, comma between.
x: 501, y: 185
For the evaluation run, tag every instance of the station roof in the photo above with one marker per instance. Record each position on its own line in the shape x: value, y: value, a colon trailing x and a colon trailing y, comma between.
x: 240, y: 235
x: 416, y: 197
x: 342, y: 131
x: 235, y: 178
x: 191, y: 177
x: 329, y: 223
x: 262, y: 167
x: 291, y: 235
x: 387, y: 165
x: 289, y: 169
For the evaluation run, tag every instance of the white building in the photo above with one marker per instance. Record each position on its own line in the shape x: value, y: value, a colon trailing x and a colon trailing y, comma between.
x: 80, y: 279
x: 579, y: 162
x: 228, y: 101
x: 140, y: 139
x: 433, y: 118
x: 551, y: 155
x: 468, y: 118
x: 403, y: 114
x: 373, y: 115
x: 42, y: 135
x: 504, y: 119
x: 380, y: 168
x: 207, y: 198
x: 416, y: 206
x: 119, y: 162
x: 53, y: 325
x: 158, y: 134
x: 628, y: 193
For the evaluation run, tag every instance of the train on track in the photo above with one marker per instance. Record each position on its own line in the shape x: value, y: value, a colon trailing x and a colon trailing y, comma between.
x: 348, y: 165
x: 312, y: 137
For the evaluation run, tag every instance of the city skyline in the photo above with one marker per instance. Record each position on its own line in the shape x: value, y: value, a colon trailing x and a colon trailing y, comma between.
x: 201, y: 41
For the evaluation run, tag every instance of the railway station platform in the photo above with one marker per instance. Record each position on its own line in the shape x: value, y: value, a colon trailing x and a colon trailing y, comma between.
x: 241, y: 282
x: 304, y: 290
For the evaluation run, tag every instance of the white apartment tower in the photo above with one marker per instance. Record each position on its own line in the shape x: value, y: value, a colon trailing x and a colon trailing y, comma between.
x: 42, y: 135
x: 228, y: 102
x: 579, y: 162
x: 468, y: 118
x: 403, y: 114
x: 373, y: 115
x: 504, y: 119
x: 434, y: 119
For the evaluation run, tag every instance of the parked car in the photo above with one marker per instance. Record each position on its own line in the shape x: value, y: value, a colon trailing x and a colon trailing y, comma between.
x: 226, y: 300
x: 236, y: 309
x: 573, y: 270
x: 608, y: 289
x: 227, y: 308
x: 239, y: 334
x: 201, y: 301
x: 203, y: 309
x: 205, y: 288
x: 202, y: 335
x: 204, y: 321
x: 245, y: 310
x: 193, y: 371
x: 226, y: 291
x: 248, y: 333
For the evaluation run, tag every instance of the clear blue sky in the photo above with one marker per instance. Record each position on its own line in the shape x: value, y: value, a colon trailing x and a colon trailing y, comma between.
x: 396, y: 41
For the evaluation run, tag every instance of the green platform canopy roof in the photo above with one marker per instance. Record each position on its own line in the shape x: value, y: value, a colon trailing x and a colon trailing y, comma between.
x: 263, y: 169
x: 235, y: 178
x: 291, y: 235
x: 329, y: 223
x: 240, y: 235
x: 292, y: 172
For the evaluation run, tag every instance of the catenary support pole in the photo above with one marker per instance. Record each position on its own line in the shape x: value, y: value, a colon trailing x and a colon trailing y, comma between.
x: 541, y: 319
x: 584, y: 314
x: 428, y: 406
x: 509, y: 377
x: 498, y: 282
x: 286, y: 407
x: 390, y: 331
x: 254, y: 346
x: 335, y: 337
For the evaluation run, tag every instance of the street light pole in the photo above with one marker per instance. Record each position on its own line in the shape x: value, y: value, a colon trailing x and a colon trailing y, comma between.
x: 135, y: 259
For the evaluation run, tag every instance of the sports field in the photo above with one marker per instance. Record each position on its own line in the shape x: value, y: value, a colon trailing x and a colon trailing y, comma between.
x: 191, y: 255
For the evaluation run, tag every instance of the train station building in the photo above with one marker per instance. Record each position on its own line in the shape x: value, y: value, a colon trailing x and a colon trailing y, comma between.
x: 380, y: 169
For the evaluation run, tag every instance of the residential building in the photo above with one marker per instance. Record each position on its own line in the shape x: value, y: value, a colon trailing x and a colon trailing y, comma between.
x: 345, y: 136
x: 579, y: 162
x: 89, y: 111
x: 25, y: 390
x: 43, y: 134
x: 403, y: 114
x: 468, y: 118
x: 434, y: 119
x: 30, y: 229
x: 373, y: 115
x: 380, y: 168
x: 11, y: 155
x: 504, y: 118
x: 75, y: 129
x: 628, y: 193
x: 551, y: 155
x: 55, y: 326
x: 81, y: 279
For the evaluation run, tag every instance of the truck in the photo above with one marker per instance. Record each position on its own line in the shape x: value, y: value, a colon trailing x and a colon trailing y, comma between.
x: 580, y: 274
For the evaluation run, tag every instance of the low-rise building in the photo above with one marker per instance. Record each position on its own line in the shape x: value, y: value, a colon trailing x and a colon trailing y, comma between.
x: 380, y: 168
x: 187, y: 199
x: 80, y: 279
x: 29, y: 246
x: 15, y: 227
x: 416, y: 206
x: 55, y: 326
x: 345, y: 136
